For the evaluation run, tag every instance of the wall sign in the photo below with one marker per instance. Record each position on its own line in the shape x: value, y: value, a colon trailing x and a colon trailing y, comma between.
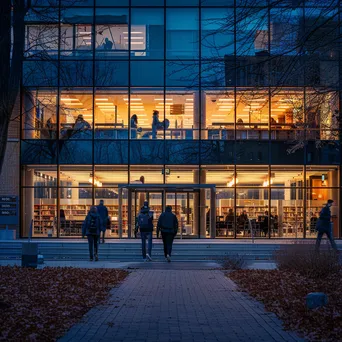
x: 9, y: 210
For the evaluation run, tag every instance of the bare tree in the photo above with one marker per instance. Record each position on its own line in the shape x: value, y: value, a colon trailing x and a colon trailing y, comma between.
x: 274, y: 47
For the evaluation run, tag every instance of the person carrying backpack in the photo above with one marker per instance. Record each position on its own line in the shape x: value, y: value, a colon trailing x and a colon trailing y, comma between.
x: 91, y: 228
x: 103, y: 213
x: 145, y: 224
x: 323, y: 226
x: 168, y: 225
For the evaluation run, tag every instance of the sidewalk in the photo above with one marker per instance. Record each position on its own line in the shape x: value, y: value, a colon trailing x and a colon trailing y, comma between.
x: 178, y: 305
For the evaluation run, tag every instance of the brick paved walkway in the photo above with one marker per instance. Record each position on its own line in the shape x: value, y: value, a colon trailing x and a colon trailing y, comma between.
x: 179, y: 305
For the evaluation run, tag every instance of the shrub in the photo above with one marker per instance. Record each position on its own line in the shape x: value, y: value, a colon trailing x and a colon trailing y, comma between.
x: 233, y: 262
x: 305, y: 260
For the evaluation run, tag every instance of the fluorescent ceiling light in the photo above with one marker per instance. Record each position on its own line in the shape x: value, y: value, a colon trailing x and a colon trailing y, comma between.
x: 163, y: 99
x: 219, y: 115
x: 277, y: 110
x: 258, y: 100
x: 224, y: 109
x: 135, y: 37
x: 105, y: 104
x: 189, y: 99
x: 226, y: 100
x: 100, y: 99
x: 132, y: 99
x: 74, y: 104
x: 137, y: 43
x: 132, y: 32
x: 68, y: 99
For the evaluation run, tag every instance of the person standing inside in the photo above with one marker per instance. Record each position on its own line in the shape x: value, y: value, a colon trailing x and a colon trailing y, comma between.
x: 168, y: 225
x: 134, y: 126
x: 91, y: 228
x: 145, y: 225
x: 324, y: 226
x: 103, y: 213
x: 155, y: 123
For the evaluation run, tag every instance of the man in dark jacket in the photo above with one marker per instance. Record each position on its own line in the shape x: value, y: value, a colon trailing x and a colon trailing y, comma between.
x: 168, y: 225
x: 324, y: 226
x: 91, y: 228
x: 145, y: 224
x: 103, y: 213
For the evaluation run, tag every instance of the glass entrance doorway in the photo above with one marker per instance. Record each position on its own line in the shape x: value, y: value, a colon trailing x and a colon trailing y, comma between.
x: 181, y: 203
x: 193, y: 204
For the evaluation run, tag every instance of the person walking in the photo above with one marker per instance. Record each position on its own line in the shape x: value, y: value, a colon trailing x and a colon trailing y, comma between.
x: 102, y: 210
x: 91, y: 228
x: 324, y: 226
x: 145, y: 225
x: 168, y: 225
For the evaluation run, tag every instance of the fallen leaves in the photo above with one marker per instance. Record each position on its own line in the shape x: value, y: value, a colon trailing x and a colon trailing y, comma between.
x: 284, y: 292
x: 40, y: 305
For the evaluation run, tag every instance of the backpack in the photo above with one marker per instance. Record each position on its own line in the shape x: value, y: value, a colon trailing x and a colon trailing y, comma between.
x: 144, y: 221
x: 92, y: 227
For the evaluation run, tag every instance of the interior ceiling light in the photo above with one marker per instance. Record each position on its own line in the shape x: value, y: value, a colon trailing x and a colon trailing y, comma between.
x: 163, y: 99
x: 68, y: 99
x: 132, y: 99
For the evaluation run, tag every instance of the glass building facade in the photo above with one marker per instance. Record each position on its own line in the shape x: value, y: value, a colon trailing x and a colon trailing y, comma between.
x: 226, y: 110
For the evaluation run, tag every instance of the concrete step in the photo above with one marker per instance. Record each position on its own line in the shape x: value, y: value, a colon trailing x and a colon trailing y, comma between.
x: 123, y: 251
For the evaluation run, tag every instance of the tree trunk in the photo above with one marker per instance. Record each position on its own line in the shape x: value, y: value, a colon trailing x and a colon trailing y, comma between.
x: 11, y: 63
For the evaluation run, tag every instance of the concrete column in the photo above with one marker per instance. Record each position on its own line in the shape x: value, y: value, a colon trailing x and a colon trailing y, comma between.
x: 120, y: 212
x: 200, y: 115
x: 28, y: 201
x: 212, y: 213
x: 333, y: 194
x: 199, y: 205
x: 29, y: 115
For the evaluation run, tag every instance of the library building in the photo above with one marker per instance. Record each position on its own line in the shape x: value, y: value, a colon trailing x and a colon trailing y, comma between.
x: 208, y: 106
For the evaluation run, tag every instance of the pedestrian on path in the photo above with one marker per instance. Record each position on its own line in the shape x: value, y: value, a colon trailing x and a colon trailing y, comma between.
x: 145, y: 225
x: 103, y: 213
x: 91, y: 228
x: 324, y: 226
x: 168, y: 225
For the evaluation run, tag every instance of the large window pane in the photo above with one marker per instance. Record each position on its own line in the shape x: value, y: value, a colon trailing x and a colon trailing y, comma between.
x: 217, y: 32
x: 146, y: 73
x: 147, y: 119
x: 147, y: 33
x: 76, y: 33
x: 179, y: 112
x: 321, y: 114
x: 219, y: 115
x: 252, y: 113
x: 288, y: 207
x: 76, y: 114
x: 40, y: 114
x: 111, y: 33
x: 111, y: 113
x: 41, y: 40
x: 287, y: 114
x: 182, y: 39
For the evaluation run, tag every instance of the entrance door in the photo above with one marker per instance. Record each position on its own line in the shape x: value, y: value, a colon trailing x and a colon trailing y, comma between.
x: 156, y: 203
x: 188, y: 205
x: 182, y: 204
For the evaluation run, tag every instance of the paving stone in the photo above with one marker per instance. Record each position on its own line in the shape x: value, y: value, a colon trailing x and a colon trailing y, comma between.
x: 179, y: 305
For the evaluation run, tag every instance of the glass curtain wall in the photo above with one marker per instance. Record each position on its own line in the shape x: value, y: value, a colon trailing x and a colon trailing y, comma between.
x: 217, y: 93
